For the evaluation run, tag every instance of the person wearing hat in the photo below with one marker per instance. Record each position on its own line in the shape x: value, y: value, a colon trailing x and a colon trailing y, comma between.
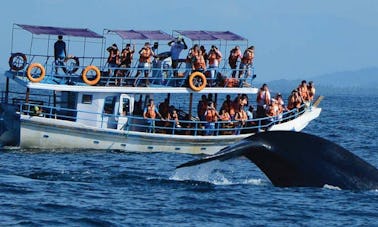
x: 145, y: 55
x: 60, y: 52
x: 177, y: 45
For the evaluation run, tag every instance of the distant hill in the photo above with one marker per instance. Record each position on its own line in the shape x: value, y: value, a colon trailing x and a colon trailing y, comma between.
x: 363, y: 81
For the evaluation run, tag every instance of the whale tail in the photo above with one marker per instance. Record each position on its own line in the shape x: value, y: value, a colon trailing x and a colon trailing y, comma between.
x: 293, y: 159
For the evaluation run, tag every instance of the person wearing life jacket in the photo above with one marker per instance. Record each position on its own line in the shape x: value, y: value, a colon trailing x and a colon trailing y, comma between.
x: 246, y: 62
x: 295, y: 100
x: 127, y: 55
x: 214, y: 57
x: 311, y: 91
x: 262, y: 99
x: 113, y: 58
x: 211, y: 116
x: 199, y: 63
x: 242, y: 117
x: 149, y: 113
x: 235, y: 55
x: 144, y: 65
x: 303, y: 92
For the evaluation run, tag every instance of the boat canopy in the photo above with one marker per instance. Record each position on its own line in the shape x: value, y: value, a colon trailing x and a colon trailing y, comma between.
x: 48, y: 30
x: 211, y: 35
x: 142, y: 34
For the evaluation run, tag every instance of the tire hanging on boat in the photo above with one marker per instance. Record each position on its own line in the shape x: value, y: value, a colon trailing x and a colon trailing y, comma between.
x: 75, y: 64
x: 35, y: 77
x: 17, y: 61
x: 197, y: 81
x: 91, y: 81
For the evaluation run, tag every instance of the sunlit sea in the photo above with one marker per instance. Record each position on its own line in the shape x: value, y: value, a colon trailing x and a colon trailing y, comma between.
x: 108, y: 188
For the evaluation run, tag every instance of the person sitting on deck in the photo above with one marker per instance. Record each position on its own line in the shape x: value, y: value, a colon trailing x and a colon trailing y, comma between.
x: 150, y: 113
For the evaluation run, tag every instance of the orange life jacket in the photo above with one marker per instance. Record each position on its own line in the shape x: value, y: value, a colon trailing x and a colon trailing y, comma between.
x: 211, y: 115
x: 145, y: 55
x: 151, y: 112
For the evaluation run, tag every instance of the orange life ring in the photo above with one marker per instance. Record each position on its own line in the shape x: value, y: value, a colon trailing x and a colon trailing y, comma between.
x: 197, y: 81
x: 31, y: 75
x: 85, y: 72
x: 17, y: 61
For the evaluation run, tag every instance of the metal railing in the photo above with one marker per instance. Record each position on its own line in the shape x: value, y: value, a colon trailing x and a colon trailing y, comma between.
x: 157, y: 74
x: 140, y: 124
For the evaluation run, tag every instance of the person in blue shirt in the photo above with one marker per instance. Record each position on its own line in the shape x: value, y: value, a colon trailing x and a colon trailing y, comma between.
x: 177, y: 45
x: 60, y: 52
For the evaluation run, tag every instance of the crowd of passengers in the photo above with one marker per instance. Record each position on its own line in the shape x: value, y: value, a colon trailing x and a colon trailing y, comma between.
x: 198, y: 59
x: 236, y: 115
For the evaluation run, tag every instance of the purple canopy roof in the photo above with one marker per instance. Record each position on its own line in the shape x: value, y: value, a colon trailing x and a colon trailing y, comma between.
x: 47, y: 30
x: 152, y: 35
x: 211, y: 35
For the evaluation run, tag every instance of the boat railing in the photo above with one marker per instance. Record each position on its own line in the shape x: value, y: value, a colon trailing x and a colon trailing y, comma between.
x: 140, y: 124
x: 70, y: 71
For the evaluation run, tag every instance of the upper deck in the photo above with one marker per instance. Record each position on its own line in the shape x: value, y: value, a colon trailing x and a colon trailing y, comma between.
x: 38, y: 70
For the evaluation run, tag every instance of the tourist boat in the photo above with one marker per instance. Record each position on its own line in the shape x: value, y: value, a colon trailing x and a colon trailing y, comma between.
x: 83, y: 105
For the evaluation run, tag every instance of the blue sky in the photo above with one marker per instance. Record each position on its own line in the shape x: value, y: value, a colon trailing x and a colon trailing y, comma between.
x: 293, y: 38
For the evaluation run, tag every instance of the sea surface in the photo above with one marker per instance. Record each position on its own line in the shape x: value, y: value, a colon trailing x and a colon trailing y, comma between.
x: 108, y: 188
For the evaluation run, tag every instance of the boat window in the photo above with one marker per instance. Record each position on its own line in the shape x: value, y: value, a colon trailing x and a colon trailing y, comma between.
x: 109, y: 104
x: 87, y: 99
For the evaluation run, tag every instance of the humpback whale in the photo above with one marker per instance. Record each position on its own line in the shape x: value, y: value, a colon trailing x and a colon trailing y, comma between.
x: 295, y: 159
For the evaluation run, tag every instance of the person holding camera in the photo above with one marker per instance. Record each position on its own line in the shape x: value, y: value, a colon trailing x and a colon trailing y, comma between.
x: 145, y: 55
x: 177, y: 45
x: 215, y: 57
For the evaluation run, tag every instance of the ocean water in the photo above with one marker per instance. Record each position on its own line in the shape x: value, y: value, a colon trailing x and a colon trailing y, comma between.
x: 108, y: 188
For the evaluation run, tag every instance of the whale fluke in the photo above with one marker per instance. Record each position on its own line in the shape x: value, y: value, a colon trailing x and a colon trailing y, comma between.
x: 294, y: 159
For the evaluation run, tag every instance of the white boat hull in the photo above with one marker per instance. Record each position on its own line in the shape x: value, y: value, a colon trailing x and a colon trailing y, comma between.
x: 52, y: 134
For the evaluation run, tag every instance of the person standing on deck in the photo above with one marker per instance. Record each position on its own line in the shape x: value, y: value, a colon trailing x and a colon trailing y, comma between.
x: 150, y: 113
x: 60, y: 52
x: 177, y: 45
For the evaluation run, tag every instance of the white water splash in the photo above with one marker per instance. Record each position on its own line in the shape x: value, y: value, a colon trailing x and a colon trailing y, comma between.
x: 212, y: 172
x: 331, y: 187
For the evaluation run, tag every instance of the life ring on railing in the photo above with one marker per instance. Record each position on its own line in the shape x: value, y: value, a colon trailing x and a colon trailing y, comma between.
x: 17, y: 61
x: 35, y: 76
x: 197, y: 81
x: 85, y: 77
x: 72, y: 64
